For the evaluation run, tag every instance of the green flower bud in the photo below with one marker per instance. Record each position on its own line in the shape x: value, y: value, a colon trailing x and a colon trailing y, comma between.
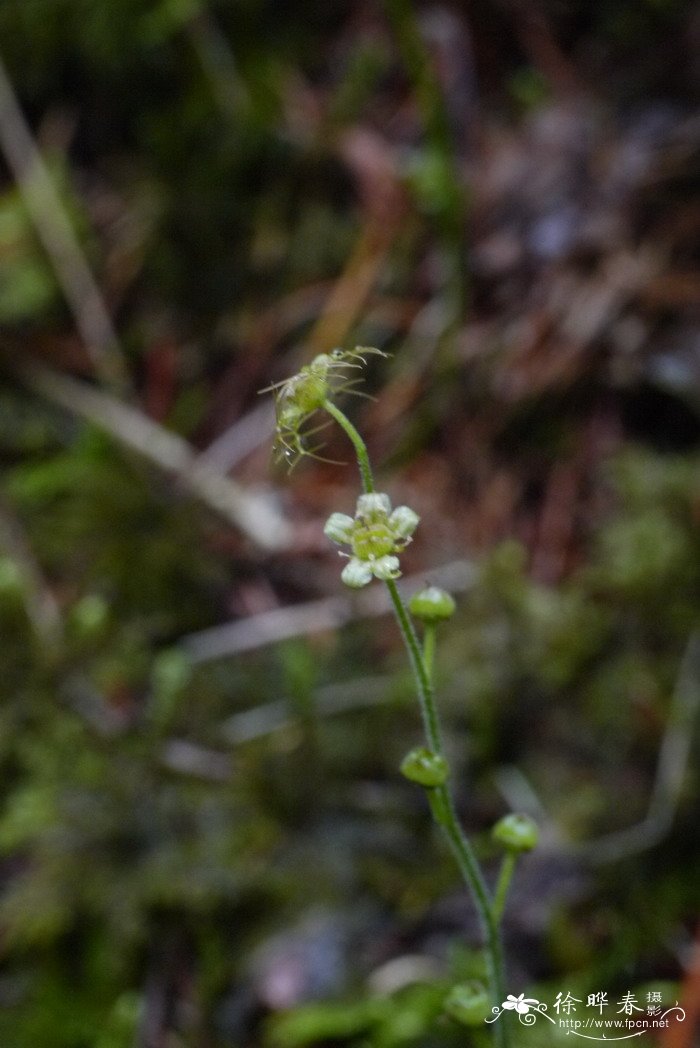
x: 403, y: 522
x: 425, y: 767
x: 338, y: 528
x: 307, y: 390
x: 298, y: 397
x: 356, y: 573
x: 468, y: 1003
x: 516, y: 833
x: 431, y: 605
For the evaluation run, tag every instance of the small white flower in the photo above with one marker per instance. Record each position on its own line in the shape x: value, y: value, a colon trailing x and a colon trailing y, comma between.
x: 375, y: 535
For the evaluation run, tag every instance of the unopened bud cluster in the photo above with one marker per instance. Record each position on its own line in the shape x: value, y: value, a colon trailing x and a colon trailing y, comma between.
x: 376, y: 534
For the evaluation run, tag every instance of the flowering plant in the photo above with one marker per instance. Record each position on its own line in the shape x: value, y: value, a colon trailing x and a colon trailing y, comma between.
x: 375, y: 536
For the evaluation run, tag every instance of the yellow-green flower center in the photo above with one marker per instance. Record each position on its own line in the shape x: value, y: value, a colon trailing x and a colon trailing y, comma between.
x: 372, y: 539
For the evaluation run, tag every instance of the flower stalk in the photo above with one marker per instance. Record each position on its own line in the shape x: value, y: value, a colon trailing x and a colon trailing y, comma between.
x: 358, y: 444
x: 440, y: 797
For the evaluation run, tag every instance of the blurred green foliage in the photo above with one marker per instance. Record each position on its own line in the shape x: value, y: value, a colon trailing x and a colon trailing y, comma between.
x: 106, y: 846
x: 27, y: 286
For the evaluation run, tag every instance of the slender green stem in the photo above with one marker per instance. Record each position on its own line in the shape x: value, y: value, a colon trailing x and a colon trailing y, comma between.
x: 441, y: 801
x: 429, y: 649
x: 473, y: 878
x: 357, y: 443
x: 424, y: 686
x: 508, y: 865
x: 443, y: 808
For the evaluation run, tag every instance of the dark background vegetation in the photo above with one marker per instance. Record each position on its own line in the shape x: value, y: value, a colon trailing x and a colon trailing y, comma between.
x: 204, y: 839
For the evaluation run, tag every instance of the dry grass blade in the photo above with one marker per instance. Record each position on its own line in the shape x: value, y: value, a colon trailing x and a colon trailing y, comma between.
x: 253, y: 512
x: 54, y: 229
x: 270, y: 627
